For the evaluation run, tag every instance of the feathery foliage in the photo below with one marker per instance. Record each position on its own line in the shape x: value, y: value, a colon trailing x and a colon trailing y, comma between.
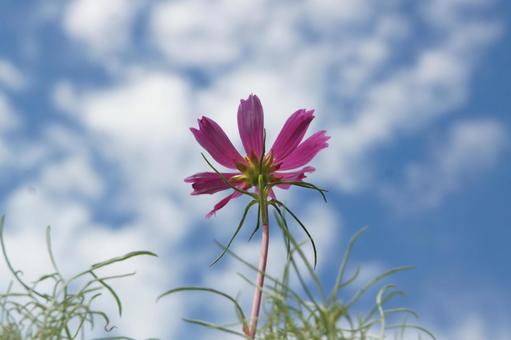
x: 55, y: 307
x: 307, y: 312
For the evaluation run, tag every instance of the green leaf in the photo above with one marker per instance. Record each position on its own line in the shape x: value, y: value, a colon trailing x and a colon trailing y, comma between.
x: 284, y: 287
x: 303, y: 228
x: 297, y: 247
x: 111, y: 291
x: 115, y: 338
x: 379, y: 305
x: 344, y: 261
x: 208, y: 290
x: 123, y: 258
x: 385, y: 299
x: 305, y: 185
x: 285, y: 234
x: 247, y: 209
x: 372, y: 282
x: 422, y: 329
x: 50, y: 251
x: 11, y: 268
x: 258, y: 223
x: 213, y: 326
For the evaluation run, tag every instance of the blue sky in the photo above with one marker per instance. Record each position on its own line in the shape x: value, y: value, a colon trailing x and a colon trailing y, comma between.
x: 96, y: 99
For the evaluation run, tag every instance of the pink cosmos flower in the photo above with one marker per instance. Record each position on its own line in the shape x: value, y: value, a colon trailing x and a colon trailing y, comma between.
x: 285, y: 162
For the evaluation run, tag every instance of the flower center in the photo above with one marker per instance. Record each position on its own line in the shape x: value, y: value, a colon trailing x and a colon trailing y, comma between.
x: 254, y: 167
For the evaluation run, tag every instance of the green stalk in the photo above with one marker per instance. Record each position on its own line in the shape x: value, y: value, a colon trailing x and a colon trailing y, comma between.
x: 265, y: 240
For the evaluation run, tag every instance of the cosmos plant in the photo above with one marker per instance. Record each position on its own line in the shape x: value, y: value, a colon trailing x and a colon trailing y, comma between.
x: 256, y: 175
x: 282, y: 166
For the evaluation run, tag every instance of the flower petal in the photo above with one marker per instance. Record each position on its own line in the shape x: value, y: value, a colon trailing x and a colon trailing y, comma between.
x: 291, y: 134
x: 251, y: 125
x: 306, y: 151
x: 209, y: 182
x: 293, y: 176
x: 223, y: 202
x: 212, y: 138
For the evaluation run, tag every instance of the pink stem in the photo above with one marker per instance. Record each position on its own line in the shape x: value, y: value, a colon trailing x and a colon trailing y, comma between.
x: 256, y: 303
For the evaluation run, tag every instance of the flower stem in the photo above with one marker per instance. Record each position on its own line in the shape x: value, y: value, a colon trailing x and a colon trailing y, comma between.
x: 265, y: 239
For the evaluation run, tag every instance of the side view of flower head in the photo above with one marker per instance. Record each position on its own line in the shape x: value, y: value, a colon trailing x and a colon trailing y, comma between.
x: 283, y: 165
x: 286, y: 161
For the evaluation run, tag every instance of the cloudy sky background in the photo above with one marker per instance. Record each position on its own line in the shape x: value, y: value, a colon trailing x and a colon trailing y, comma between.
x: 96, y: 98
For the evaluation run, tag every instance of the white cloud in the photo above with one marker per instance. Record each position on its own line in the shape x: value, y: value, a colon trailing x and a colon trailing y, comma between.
x: 64, y: 96
x: 453, y: 12
x: 325, y: 14
x: 8, y: 117
x: 204, y: 33
x: 471, y: 148
x: 79, y: 176
x: 471, y: 329
x: 413, y: 96
x: 104, y: 27
x: 10, y: 76
x: 474, y: 327
x: 140, y: 126
x: 9, y: 121
x: 148, y: 110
